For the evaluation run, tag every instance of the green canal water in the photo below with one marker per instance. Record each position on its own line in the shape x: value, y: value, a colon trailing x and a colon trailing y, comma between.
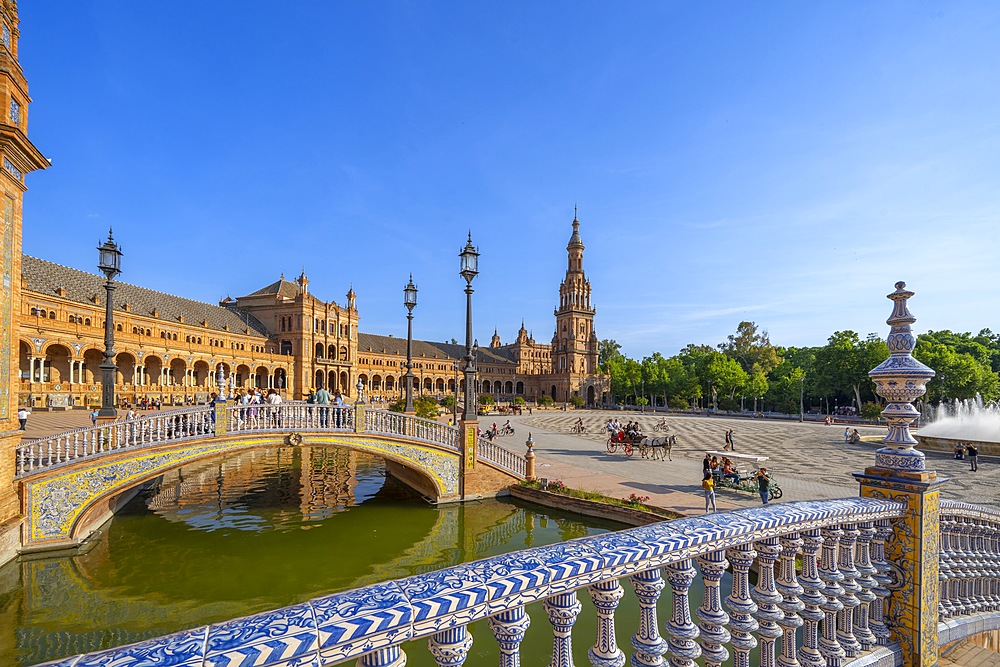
x: 219, y: 540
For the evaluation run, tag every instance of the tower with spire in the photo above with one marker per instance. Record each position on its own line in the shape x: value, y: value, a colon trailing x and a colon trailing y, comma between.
x: 574, y: 344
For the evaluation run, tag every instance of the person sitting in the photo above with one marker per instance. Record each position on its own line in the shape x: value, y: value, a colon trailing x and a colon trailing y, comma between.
x: 855, y: 437
x: 715, y: 467
x: 960, y: 451
x: 728, y: 472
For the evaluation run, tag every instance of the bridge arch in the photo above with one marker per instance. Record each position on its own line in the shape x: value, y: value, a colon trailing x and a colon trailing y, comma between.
x: 65, y: 508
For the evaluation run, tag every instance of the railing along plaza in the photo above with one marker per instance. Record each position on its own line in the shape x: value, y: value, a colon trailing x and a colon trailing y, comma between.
x: 43, y: 454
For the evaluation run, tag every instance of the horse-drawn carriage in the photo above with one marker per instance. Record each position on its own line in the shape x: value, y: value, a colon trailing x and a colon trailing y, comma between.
x: 744, y: 476
x: 650, y: 448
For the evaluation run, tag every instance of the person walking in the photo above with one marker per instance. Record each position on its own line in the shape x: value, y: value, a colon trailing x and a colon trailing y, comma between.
x: 970, y: 449
x: 708, y: 484
x: 763, y: 485
x: 22, y: 417
x: 730, y: 443
x: 93, y: 417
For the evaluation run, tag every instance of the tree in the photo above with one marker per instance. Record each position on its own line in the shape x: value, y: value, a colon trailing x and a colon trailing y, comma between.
x: 751, y: 349
x: 843, y: 363
x: 756, y: 386
x: 426, y: 407
x: 519, y: 401
x: 448, y: 402
x: 576, y: 401
x: 606, y: 350
x: 959, y: 375
x: 726, y: 375
x: 486, y: 400
x: 545, y: 401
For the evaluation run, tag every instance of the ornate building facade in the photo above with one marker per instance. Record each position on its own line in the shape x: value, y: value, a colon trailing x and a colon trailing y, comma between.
x: 281, y: 336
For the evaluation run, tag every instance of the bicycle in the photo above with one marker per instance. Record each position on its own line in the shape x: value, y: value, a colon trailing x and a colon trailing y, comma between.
x: 662, y: 426
x: 579, y: 428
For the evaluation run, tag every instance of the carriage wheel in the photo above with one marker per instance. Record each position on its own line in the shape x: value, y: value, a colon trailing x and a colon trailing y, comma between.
x: 611, y: 446
x: 776, y: 492
x: 628, y: 449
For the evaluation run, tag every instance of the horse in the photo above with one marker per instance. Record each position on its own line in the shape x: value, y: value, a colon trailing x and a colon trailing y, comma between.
x: 655, y: 448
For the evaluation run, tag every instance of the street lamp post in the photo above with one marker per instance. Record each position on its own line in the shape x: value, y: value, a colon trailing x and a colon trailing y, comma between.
x: 109, y: 264
x: 470, y: 269
x: 409, y: 300
x: 454, y: 408
x: 802, y: 389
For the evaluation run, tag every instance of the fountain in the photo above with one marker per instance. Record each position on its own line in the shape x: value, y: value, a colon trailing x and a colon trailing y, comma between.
x: 964, y: 421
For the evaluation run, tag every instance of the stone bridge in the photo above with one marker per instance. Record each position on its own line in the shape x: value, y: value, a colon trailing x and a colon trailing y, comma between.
x: 72, y: 482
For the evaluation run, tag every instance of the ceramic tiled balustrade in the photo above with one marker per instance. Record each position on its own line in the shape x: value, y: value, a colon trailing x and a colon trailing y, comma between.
x: 820, y: 567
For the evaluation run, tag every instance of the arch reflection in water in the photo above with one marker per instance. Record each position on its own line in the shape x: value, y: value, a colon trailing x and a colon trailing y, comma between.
x: 263, y: 529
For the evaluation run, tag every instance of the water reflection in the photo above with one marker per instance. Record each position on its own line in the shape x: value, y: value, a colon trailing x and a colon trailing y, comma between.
x: 217, y: 540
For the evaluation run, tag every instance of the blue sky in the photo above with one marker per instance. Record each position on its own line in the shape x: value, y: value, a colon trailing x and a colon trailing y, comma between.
x: 781, y: 162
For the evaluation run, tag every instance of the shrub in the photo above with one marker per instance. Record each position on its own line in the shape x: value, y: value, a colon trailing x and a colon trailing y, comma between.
x: 448, y: 402
x: 576, y: 401
x: 398, y: 406
x: 871, y: 411
x: 486, y: 399
x: 519, y: 400
x: 546, y: 401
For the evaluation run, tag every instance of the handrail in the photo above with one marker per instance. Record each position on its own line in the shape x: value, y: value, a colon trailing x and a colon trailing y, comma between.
x: 374, y: 621
x: 64, y: 448
x: 199, y: 422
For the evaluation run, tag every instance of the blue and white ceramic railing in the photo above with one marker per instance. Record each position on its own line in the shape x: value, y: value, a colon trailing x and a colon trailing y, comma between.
x: 969, y: 566
x: 836, y: 597
x: 292, y: 416
x: 93, y: 441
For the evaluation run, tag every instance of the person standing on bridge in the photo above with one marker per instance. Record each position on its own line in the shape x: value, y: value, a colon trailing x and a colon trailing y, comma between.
x: 22, y: 417
x: 323, y: 400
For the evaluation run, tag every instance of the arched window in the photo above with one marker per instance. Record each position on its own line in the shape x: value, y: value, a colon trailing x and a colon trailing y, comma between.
x: 86, y: 322
x: 52, y: 315
x: 119, y: 328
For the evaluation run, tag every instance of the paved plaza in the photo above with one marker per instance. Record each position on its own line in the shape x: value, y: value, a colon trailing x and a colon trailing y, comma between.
x: 808, y: 460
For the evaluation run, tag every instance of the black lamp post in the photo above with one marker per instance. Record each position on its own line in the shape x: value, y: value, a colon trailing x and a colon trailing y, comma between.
x: 110, y: 265
x: 470, y: 269
x: 409, y: 300
x: 454, y: 408
x: 802, y: 390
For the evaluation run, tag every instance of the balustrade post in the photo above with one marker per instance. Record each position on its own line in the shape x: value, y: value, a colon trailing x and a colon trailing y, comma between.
x: 741, y: 605
x: 767, y: 597
x: 605, y: 652
x: 390, y: 656
x: 812, y: 597
x: 791, y: 605
x: 509, y: 628
x: 359, y: 417
x: 562, y: 609
x: 829, y: 646
x: 450, y: 647
x: 845, y: 617
x: 866, y: 581
x: 221, y: 417
x: 900, y: 474
x: 683, y: 649
x: 713, y: 619
x: 648, y: 644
